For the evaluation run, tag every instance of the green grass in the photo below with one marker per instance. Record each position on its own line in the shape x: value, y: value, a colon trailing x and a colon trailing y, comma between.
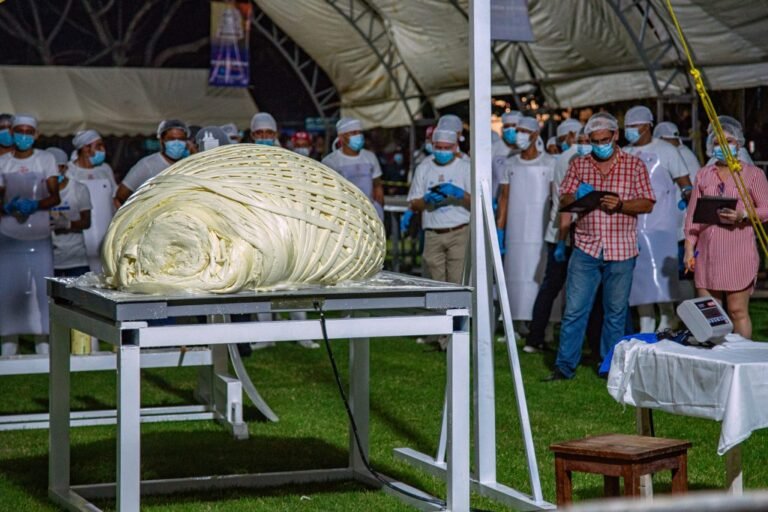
x: 406, y: 399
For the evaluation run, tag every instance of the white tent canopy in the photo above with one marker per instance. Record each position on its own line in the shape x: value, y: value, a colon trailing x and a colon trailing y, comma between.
x: 387, y: 56
x: 119, y: 101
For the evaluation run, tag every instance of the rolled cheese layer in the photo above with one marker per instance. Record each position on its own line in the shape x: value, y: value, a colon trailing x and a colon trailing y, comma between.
x: 242, y: 217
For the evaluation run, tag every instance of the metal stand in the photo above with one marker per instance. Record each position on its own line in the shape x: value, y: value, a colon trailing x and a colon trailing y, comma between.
x: 426, y: 307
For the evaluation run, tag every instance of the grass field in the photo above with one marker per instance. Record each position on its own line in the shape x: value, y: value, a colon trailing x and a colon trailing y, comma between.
x: 406, y: 399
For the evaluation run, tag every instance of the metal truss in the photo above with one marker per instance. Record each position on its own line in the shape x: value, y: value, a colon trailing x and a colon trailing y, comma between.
x: 325, y: 99
x: 372, y: 27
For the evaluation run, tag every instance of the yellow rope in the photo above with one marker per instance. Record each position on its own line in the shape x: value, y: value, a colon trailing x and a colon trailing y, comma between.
x: 734, y: 166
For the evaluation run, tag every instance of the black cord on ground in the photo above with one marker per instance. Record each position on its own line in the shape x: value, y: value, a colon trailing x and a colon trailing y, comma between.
x: 350, y: 415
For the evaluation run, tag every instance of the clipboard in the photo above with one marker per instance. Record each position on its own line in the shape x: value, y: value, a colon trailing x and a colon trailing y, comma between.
x: 587, y: 203
x: 707, y: 207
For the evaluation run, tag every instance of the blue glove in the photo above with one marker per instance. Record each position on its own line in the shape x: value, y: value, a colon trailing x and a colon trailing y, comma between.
x: 405, y: 221
x: 495, y: 204
x: 451, y: 190
x: 433, y: 198
x: 500, y: 235
x: 27, y: 206
x: 682, y: 204
x: 560, y: 252
x: 11, y: 206
x: 584, y: 189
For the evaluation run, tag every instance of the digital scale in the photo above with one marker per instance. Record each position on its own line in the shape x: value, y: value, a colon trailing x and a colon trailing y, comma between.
x: 705, y: 319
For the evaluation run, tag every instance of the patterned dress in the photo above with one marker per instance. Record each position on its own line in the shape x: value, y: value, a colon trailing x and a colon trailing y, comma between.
x: 727, y: 258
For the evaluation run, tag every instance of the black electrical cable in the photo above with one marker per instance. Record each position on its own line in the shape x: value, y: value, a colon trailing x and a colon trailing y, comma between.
x: 350, y: 415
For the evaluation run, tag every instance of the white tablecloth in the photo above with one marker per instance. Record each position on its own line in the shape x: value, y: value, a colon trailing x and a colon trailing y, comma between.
x: 728, y: 383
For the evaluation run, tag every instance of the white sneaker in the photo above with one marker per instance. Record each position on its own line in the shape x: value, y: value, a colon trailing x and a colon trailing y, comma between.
x: 530, y: 349
x: 308, y: 344
x: 262, y: 345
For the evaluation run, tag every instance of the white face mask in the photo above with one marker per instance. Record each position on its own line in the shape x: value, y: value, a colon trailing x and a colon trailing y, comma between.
x: 302, y: 151
x: 523, y: 140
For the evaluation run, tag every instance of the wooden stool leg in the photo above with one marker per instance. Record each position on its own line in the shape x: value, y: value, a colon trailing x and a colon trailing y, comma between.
x: 563, y: 482
x: 631, y: 482
x: 610, y: 486
x: 680, y: 475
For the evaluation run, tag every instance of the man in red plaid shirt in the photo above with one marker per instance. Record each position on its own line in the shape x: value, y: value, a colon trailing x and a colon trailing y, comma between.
x: 605, y: 245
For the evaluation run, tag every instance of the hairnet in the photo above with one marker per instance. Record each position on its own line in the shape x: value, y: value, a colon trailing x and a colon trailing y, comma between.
x: 348, y: 124
x: 25, y: 119
x: 510, y: 117
x: 263, y: 121
x: 448, y: 136
x: 59, y: 155
x: 6, y: 119
x: 638, y: 115
x: 170, y: 124
x: 211, y: 137
x: 601, y: 121
x: 568, y: 126
x: 552, y: 141
x: 230, y: 129
x: 85, y: 137
x: 529, y: 123
x: 666, y: 130
x: 730, y: 126
x: 450, y: 122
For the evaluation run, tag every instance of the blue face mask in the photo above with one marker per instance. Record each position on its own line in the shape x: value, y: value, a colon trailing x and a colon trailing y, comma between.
x: 23, y: 141
x: 509, y: 134
x: 398, y: 158
x: 6, y: 139
x: 97, y: 158
x: 632, y: 134
x: 356, y: 142
x: 602, y: 151
x: 265, y: 142
x: 583, y: 149
x: 443, y: 156
x: 717, y: 152
x: 564, y: 146
x: 428, y: 147
x: 174, y: 149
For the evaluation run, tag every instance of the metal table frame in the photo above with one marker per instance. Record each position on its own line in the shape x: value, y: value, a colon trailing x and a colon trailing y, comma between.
x: 391, y: 304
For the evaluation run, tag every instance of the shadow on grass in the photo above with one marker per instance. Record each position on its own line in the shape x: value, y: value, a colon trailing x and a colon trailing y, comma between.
x: 159, y: 382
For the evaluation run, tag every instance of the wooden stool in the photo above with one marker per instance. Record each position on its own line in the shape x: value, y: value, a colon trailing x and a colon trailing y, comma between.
x: 618, y: 455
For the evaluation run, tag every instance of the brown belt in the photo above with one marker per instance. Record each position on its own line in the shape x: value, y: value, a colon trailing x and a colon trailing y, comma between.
x: 447, y: 230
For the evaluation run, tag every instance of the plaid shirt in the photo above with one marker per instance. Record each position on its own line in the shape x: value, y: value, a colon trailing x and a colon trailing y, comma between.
x: 615, y: 234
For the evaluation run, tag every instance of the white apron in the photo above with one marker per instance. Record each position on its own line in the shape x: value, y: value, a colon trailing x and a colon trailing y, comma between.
x: 26, y: 259
x: 655, y: 277
x: 102, y: 210
x: 527, y: 217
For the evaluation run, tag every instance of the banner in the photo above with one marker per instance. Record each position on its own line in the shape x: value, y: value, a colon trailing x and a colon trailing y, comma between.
x: 230, y: 27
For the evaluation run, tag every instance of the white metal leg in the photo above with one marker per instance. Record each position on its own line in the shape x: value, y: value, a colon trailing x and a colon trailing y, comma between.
x: 128, y: 428
x: 58, y: 461
x: 359, y: 399
x: 458, y: 419
x: 734, y: 476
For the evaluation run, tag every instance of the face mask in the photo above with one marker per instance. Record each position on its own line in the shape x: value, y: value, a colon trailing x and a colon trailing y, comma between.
x: 264, y: 142
x: 174, y: 149
x: 564, y: 146
x: 97, y: 158
x: 398, y: 158
x: 632, y: 134
x: 443, y: 156
x: 583, y: 149
x: 302, y: 151
x: 186, y: 152
x: 509, y: 134
x: 428, y: 148
x: 356, y: 142
x: 6, y: 139
x: 720, y: 156
x: 602, y: 151
x: 23, y: 141
x: 523, y: 140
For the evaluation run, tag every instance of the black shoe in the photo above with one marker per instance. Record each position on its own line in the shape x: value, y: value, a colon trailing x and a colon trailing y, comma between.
x: 555, y: 375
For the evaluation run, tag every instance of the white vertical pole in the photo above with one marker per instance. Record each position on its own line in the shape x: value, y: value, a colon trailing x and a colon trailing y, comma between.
x: 128, y: 429
x: 457, y: 496
x: 482, y: 330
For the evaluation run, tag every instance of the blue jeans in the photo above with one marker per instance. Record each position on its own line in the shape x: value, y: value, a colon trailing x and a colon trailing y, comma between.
x: 585, y: 274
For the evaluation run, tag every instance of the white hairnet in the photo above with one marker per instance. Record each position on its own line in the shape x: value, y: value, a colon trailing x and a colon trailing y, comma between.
x: 730, y: 126
x: 348, y: 124
x: 638, y: 115
x: 59, y: 155
x: 263, y: 121
x: 552, y: 141
x: 568, y: 126
x: 230, y: 129
x: 25, y: 120
x: 211, y: 137
x: 529, y: 123
x: 450, y: 122
x: 448, y: 136
x: 170, y: 124
x: 510, y: 117
x: 85, y: 137
x: 666, y: 130
x: 601, y: 121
